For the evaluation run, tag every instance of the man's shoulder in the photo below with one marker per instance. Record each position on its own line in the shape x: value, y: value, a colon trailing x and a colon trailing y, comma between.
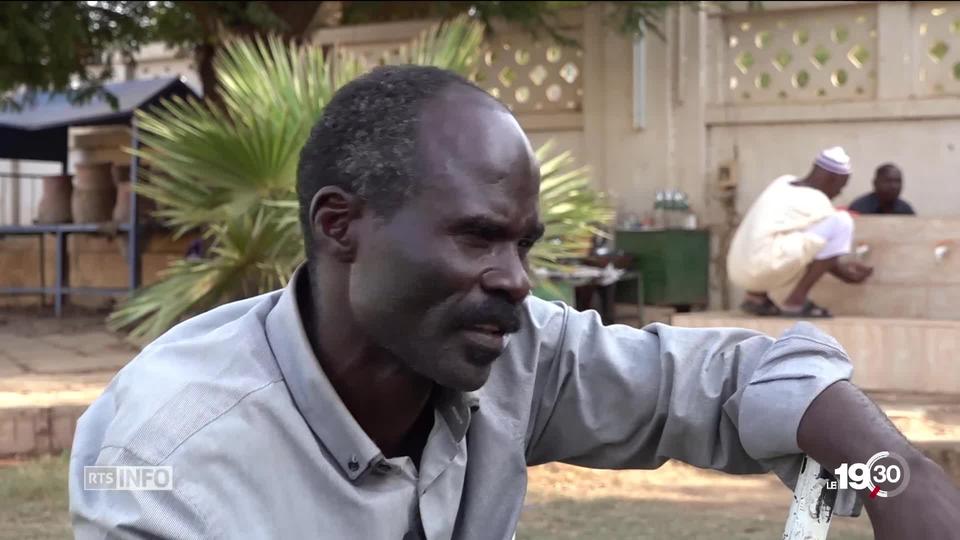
x: 548, y: 327
x: 903, y: 207
x: 540, y: 312
x: 866, y: 197
x: 183, y: 382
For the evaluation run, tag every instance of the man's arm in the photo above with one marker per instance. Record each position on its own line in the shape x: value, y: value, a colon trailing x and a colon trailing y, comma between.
x: 719, y: 398
x: 126, y: 514
x: 842, y: 425
x: 133, y: 514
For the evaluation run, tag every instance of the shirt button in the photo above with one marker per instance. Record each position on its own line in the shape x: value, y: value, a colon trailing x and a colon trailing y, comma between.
x: 353, y: 465
x: 384, y: 467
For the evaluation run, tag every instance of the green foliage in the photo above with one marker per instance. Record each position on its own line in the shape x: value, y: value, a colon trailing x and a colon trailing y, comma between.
x: 571, y: 209
x: 44, y: 44
x: 536, y: 18
x: 51, y: 46
x: 229, y: 173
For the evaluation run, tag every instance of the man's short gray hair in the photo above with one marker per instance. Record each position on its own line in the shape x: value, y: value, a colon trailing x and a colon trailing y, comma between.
x: 366, y: 139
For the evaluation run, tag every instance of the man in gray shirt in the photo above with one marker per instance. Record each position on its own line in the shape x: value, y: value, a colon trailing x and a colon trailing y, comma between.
x: 403, y: 381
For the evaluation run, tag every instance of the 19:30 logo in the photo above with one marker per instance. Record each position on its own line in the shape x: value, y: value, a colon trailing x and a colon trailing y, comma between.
x: 885, y: 470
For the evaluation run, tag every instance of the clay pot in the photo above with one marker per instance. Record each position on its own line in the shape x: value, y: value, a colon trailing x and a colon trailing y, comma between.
x: 121, y: 174
x: 55, y: 201
x: 91, y: 176
x: 121, y: 178
x: 94, y: 195
x: 121, y: 211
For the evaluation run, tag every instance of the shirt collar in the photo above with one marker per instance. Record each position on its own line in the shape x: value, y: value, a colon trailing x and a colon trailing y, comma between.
x: 457, y: 408
x: 319, y: 403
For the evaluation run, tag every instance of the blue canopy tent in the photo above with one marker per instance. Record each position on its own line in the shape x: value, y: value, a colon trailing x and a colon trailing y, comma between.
x: 39, y: 132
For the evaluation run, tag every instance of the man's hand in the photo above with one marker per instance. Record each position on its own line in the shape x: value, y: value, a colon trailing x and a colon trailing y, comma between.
x: 853, y: 272
x: 843, y: 426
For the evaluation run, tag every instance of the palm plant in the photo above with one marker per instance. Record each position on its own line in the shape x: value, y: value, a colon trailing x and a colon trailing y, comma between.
x: 229, y: 171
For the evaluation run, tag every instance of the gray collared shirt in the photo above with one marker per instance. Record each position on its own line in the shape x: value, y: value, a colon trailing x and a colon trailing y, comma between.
x: 261, y: 446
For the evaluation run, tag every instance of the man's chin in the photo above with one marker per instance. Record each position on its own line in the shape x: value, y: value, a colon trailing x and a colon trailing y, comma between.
x: 471, y: 382
x: 469, y: 377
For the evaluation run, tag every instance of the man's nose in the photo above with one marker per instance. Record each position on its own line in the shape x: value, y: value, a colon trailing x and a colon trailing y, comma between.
x: 508, y: 276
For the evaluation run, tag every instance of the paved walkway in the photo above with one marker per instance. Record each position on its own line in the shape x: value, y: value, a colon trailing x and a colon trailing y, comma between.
x: 58, y: 369
x: 50, y: 371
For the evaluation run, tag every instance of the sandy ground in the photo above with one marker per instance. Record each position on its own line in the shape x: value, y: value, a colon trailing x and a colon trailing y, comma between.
x: 675, y: 501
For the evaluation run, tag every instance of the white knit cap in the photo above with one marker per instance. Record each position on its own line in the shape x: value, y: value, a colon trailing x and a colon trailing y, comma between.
x: 834, y: 160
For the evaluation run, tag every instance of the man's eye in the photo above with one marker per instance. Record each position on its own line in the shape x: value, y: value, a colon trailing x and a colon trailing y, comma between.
x: 526, y: 244
x: 477, y: 239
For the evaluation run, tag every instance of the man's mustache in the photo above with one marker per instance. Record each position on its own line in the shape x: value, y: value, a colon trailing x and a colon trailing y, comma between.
x: 494, y: 311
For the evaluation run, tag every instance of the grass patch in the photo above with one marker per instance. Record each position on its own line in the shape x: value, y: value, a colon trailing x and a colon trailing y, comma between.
x: 34, y: 499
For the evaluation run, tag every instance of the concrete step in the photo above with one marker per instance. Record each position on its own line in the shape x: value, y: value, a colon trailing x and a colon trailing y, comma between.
x: 901, y: 355
x: 36, y: 431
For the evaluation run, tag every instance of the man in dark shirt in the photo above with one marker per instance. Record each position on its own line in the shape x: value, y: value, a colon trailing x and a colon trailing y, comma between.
x: 885, y: 198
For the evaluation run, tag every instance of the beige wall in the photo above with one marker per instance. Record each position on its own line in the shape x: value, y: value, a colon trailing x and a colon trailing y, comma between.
x: 691, y: 130
x: 631, y: 163
x: 928, y: 152
x: 906, y: 108
x: 901, y: 355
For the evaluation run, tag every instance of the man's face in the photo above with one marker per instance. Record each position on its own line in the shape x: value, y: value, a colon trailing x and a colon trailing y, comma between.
x: 888, y: 185
x: 440, y: 282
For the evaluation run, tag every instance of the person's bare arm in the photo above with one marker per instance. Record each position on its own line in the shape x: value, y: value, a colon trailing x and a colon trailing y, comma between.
x: 842, y: 425
x: 850, y: 272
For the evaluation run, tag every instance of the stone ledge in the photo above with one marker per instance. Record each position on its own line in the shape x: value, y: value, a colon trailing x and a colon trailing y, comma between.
x: 888, y: 354
x: 35, y: 431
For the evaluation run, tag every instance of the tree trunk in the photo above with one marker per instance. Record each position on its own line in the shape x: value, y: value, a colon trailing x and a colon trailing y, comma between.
x: 297, y: 16
x: 204, y: 53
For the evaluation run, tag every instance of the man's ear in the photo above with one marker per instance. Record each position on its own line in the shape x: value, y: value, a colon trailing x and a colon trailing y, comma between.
x: 333, y: 215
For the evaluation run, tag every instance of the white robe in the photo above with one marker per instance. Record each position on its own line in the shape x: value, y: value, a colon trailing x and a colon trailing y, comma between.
x: 772, y: 247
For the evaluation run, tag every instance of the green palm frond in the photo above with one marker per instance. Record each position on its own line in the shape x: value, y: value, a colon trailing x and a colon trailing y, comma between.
x: 572, y: 210
x: 228, y: 172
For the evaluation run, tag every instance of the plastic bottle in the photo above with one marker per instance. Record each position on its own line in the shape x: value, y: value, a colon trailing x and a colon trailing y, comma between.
x: 659, y: 210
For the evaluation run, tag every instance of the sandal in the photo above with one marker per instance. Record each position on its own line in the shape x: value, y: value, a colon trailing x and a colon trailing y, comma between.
x: 761, y: 309
x: 809, y: 311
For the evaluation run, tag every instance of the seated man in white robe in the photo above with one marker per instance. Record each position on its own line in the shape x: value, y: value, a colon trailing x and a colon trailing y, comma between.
x: 791, y: 237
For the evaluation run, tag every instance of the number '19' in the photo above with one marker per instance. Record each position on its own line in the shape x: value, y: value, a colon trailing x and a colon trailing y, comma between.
x: 852, y: 476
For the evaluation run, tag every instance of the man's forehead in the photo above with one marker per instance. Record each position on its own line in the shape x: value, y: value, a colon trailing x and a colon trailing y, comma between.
x: 465, y: 131
x: 477, y: 162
